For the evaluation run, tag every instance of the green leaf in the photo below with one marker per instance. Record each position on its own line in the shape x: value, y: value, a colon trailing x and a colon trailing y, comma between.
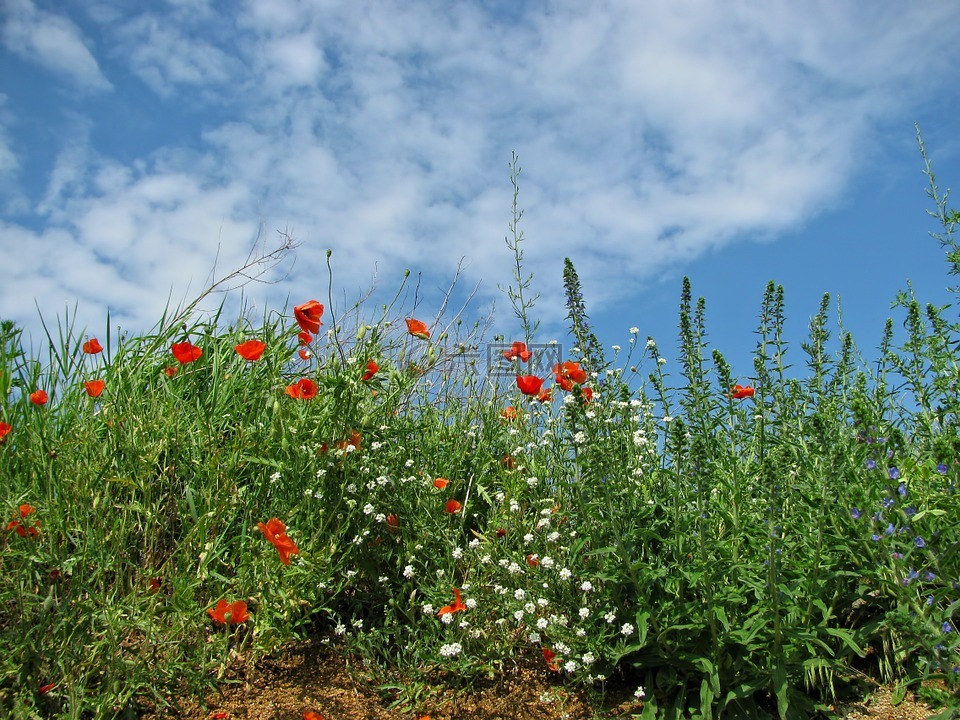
x: 846, y: 638
x: 780, y: 689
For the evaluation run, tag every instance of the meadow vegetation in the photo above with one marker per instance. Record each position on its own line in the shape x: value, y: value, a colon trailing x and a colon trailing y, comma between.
x: 734, y: 542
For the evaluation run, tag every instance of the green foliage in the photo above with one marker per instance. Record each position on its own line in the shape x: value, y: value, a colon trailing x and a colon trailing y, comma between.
x: 738, y: 554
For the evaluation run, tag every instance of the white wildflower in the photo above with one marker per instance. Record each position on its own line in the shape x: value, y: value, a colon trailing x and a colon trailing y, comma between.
x: 451, y: 650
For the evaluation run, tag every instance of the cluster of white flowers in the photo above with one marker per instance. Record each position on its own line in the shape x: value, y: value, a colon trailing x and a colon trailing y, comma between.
x: 408, y: 572
x: 451, y: 649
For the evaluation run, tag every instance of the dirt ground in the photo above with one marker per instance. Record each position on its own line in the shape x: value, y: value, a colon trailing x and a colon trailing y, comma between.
x: 310, y: 678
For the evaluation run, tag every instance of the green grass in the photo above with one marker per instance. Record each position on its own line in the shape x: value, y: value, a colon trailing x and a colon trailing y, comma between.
x: 735, y: 557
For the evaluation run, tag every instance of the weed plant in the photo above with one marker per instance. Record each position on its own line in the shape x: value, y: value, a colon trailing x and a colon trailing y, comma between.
x: 734, y: 543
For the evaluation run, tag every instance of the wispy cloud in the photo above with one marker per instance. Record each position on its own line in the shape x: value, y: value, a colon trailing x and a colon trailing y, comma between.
x: 52, y: 41
x: 648, y: 133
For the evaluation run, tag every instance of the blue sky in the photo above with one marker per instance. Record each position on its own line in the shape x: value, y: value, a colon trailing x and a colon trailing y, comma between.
x: 733, y: 142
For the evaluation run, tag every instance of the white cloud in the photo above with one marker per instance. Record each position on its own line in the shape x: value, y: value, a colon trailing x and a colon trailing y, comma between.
x: 166, y: 56
x: 52, y: 41
x: 649, y: 133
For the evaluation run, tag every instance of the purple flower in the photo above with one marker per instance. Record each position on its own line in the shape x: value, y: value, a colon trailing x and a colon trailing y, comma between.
x: 897, y: 555
x: 875, y: 537
x: 889, y: 529
x: 942, y: 469
x: 888, y: 502
x: 893, y: 473
x: 929, y: 600
x: 871, y: 464
x: 855, y: 513
x: 919, y: 542
x: 910, y: 511
x: 946, y: 627
x: 911, y: 576
x: 901, y: 488
x: 929, y: 576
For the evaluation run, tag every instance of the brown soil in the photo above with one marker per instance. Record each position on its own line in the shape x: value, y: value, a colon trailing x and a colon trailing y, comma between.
x: 309, y: 677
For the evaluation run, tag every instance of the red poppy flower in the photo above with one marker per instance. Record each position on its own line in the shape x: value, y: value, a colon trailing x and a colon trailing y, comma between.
x: 170, y: 371
x: 548, y: 656
x: 92, y: 347
x: 518, y: 350
x: 372, y: 368
x: 529, y: 384
x: 155, y: 584
x: 533, y: 560
x: 4, y: 431
x: 276, y: 532
x: 308, y: 316
x: 565, y: 374
x: 739, y: 392
x: 39, y: 397
x: 305, y: 338
x: 229, y: 613
x: 509, y: 462
x: 312, y: 715
x: 458, y: 605
x: 44, y: 689
x: 509, y: 413
x: 393, y: 523
x: 501, y: 532
x: 94, y: 388
x: 304, y: 354
x: 303, y: 389
x: 587, y: 394
x: 452, y: 506
x: 352, y: 441
x: 440, y: 483
x: 185, y: 352
x: 219, y: 715
x: 250, y: 350
x: 17, y: 525
x: 545, y: 395
x: 418, y: 329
